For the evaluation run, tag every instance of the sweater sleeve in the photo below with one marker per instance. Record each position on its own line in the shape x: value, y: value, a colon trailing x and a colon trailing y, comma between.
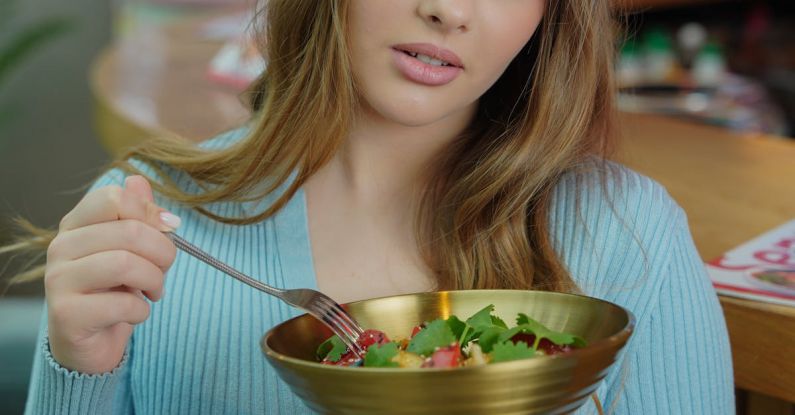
x: 54, y: 389
x: 681, y: 355
x: 57, y: 390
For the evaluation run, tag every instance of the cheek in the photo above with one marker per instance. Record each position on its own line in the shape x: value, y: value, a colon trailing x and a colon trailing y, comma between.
x: 370, y: 31
x: 510, y: 32
x: 371, y: 22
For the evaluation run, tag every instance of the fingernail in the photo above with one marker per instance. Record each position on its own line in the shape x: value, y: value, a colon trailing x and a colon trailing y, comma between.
x: 169, y: 219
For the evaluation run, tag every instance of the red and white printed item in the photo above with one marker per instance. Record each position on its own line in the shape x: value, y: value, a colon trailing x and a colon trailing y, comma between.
x: 238, y: 62
x: 762, y: 269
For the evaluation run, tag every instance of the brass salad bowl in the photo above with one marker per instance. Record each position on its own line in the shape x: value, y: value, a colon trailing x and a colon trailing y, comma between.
x: 556, y: 384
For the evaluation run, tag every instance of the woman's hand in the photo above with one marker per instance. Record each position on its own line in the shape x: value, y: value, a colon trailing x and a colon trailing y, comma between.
x: 109, y: 255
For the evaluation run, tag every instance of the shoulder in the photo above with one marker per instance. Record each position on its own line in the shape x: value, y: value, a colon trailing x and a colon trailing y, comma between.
x: 226, y: 139
x: 609, y: 190
x: 612, y: 227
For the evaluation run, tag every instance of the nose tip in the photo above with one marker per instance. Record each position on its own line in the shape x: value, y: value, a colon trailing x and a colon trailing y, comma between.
x: 446, y: 15
x: 448, y: 26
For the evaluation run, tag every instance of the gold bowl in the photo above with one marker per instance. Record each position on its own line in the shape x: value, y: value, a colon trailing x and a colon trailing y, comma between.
x: 543, y: 385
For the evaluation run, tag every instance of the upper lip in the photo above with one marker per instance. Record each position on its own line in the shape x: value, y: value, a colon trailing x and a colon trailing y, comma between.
x: 433, y: 51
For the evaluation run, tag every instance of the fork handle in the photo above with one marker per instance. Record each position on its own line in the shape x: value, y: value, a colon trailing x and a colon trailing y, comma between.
x: 196, y: 252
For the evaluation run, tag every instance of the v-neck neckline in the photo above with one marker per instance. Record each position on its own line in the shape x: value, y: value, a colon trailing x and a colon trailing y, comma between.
x: 293, y: 244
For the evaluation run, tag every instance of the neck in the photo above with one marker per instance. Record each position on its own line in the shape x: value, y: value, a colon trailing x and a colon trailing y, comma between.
x: 382, y: 163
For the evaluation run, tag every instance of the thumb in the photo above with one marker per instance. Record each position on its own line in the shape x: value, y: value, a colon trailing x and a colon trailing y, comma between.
x: 140, y: 186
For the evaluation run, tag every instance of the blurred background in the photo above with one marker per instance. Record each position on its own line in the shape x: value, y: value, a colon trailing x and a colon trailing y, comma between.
x: 83, y: 79
x: 47, y: 144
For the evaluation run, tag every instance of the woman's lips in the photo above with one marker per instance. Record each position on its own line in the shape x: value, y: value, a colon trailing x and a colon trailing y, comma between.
x: 424, y: 73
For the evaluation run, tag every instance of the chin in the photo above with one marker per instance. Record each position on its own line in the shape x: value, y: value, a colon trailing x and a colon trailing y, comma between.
x: 410, y: 112
x: 412, y: 117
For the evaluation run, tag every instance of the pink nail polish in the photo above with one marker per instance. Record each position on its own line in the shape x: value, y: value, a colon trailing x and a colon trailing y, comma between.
x: 171, y: 220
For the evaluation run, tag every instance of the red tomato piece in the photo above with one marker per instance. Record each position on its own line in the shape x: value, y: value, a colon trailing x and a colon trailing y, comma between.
x: 415, y: 330
x: 371, y: 337
x: 544, y: 345
x: 449, y: 356
x: 367, y: 339
x: 551, y: 348
x: 347, y: 359
x: 524, y: 337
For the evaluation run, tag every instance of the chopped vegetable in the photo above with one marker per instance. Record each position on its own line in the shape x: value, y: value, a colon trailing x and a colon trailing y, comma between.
x: 333, y: 349
x: 448, y: 343
x: 507, y: 351
x: 449, y: 356
x: 381, y: 355
x: 436, y: 334
x: 405, y: 359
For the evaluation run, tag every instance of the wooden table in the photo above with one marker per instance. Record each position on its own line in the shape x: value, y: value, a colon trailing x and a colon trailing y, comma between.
x: 732, y: 188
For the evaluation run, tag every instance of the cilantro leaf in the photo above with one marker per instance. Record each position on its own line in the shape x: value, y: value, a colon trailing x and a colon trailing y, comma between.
x: 507, y: 351
x: 507, y: 334
x: 381, y: 355
x: 436, y: 334
x: 480, y: 322
x: 482, y: 319
x: 332, y: 349
x: 498, y: 322
x: 489, y: 337
x: 456, y: 326
x: 528, y: 325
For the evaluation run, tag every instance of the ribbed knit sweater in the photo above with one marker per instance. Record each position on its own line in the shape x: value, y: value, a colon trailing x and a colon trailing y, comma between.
x: 626, y: 241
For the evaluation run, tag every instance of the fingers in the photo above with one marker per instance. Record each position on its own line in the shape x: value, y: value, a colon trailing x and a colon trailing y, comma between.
x: 103, y: 271
x: 140, y: 186
x: 129, y: 235
x: 100, y: 310
x: 111, y: 203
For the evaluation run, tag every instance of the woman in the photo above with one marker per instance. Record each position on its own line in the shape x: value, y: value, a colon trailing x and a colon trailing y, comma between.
x: 397, y: 146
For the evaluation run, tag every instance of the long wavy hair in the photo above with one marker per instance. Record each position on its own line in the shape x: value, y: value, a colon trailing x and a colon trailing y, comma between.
x: 483, y: 220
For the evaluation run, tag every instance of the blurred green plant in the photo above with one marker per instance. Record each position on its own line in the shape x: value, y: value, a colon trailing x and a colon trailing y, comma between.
x: 21, y: 44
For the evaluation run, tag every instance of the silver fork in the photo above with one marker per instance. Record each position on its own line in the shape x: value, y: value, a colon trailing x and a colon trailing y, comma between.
x: 313, y: 302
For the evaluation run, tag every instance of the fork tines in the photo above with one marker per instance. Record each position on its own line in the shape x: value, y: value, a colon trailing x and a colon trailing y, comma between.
x: 336, y: 317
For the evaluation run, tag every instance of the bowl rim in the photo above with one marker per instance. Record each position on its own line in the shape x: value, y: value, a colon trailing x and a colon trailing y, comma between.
x: 620, y: 336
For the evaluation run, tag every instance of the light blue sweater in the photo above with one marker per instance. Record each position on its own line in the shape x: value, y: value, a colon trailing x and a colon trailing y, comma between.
x: 198, y: 352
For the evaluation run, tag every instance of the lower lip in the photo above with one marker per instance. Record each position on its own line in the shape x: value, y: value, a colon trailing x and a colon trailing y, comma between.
x: 424, y: 73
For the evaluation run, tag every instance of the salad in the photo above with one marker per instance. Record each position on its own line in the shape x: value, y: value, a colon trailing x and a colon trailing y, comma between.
x: 448, y: 343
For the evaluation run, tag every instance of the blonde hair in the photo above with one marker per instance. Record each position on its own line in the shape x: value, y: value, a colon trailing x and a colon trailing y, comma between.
x: 482, y: 222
